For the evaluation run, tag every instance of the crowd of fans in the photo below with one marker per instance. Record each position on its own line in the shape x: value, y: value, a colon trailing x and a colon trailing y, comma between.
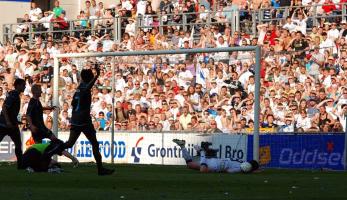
x: 303, y: 73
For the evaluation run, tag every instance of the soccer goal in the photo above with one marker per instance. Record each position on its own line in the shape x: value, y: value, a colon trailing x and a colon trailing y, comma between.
x: 114, y: 57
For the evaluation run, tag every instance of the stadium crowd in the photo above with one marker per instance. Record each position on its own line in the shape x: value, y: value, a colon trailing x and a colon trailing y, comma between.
x: 303, y: 69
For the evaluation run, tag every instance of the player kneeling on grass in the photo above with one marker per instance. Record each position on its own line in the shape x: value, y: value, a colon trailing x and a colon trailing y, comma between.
x: 38, y: 157
x: 210, y: 163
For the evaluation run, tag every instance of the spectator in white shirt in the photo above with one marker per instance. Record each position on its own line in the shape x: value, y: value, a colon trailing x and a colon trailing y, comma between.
x: 66, y: 77
x: 120, y: 82
x: 29, y: 69
x: 107, y: 43
x: 165, y: 122
x: 11, y: 56
x: 126, y: 5
x: 185, y: 77
x: 35, y: 12
x: 244, y: 77
x: 300, y: 21
x: 262, y: 28
x: 327, y: 44
x: 65, y: 65
x: 333, y: 33
x: 317, y: 60
x: 203, y: 16
x: 141, y: 7
x: 290, y: 26
x: 306, y: 2
x: 90, y: 9
x: 220, y: 43
x: 130, y: 28
x: 100, y: 8
x: 185, y: 117
x: 45, y: 20
x: 23, y: 57
x: 303, y: 121
x: 93, y: 43
x: 23, y: 27
x: 288, y: 127
x: 156, y: 102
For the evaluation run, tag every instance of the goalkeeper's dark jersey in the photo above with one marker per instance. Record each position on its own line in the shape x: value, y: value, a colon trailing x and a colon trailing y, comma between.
x: 40, y: 147
x: 81, y: 103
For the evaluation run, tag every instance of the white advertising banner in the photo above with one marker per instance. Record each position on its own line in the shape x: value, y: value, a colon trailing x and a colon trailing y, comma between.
x: 84, y: 152
x: 7, y: 148
x: 152, y: 148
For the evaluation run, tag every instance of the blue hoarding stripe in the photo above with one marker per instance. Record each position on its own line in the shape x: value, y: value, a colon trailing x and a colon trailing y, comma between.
x: 300, y: 151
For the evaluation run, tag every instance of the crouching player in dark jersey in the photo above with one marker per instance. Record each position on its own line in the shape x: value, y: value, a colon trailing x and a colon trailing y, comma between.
x: 38, y: 157
x: 9, y: 121
x: 36, y: 124
x: 81, y: 120
x: 210, y: 163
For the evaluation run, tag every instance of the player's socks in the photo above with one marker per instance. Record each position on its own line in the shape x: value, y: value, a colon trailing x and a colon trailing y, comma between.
x: 180, y: 143
x: 104, y: 171
x: 75, y: 162
x: 203, y: 158
x: 20, y: 163
x: 187, y: 157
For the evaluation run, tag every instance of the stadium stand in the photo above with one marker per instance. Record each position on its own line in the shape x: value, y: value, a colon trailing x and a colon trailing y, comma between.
x: 303, y: 74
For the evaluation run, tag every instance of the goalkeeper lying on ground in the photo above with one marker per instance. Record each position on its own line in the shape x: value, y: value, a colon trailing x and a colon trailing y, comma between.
x: 38, y: 157
x: 210, y: 163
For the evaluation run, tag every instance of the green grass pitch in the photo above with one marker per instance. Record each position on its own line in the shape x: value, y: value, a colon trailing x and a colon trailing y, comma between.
x: 142, y: 182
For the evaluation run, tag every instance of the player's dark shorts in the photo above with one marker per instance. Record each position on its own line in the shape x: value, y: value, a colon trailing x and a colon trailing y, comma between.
x: 13, y: 133
x: 9, y: 131
x: 41, y: 134
x: 87, y: 128
x: 34, y: 159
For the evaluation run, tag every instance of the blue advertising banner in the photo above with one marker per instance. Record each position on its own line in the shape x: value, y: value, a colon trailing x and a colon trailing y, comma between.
x: 300, y: 151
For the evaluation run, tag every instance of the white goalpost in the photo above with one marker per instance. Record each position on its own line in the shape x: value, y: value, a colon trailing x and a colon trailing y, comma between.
x: 256, y: 49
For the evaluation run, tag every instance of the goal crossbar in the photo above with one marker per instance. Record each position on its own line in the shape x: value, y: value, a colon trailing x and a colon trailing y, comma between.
x: 257, y: 50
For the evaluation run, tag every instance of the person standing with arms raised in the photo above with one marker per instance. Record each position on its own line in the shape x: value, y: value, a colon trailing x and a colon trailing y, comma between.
x: 81, y: 120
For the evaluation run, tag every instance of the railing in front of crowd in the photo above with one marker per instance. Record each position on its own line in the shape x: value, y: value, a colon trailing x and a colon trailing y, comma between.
x: 244, y: 131
x: 238, y: 19
x: 277, y: 16
x: 242, y: 19
x: 76, y: 28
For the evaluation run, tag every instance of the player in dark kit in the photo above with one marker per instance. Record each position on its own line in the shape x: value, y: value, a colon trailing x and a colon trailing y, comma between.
x: 35, y: 116
x: 36, y: 124
x: 38, y: 157
x: 9, y: 121
x: 81, y: 120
